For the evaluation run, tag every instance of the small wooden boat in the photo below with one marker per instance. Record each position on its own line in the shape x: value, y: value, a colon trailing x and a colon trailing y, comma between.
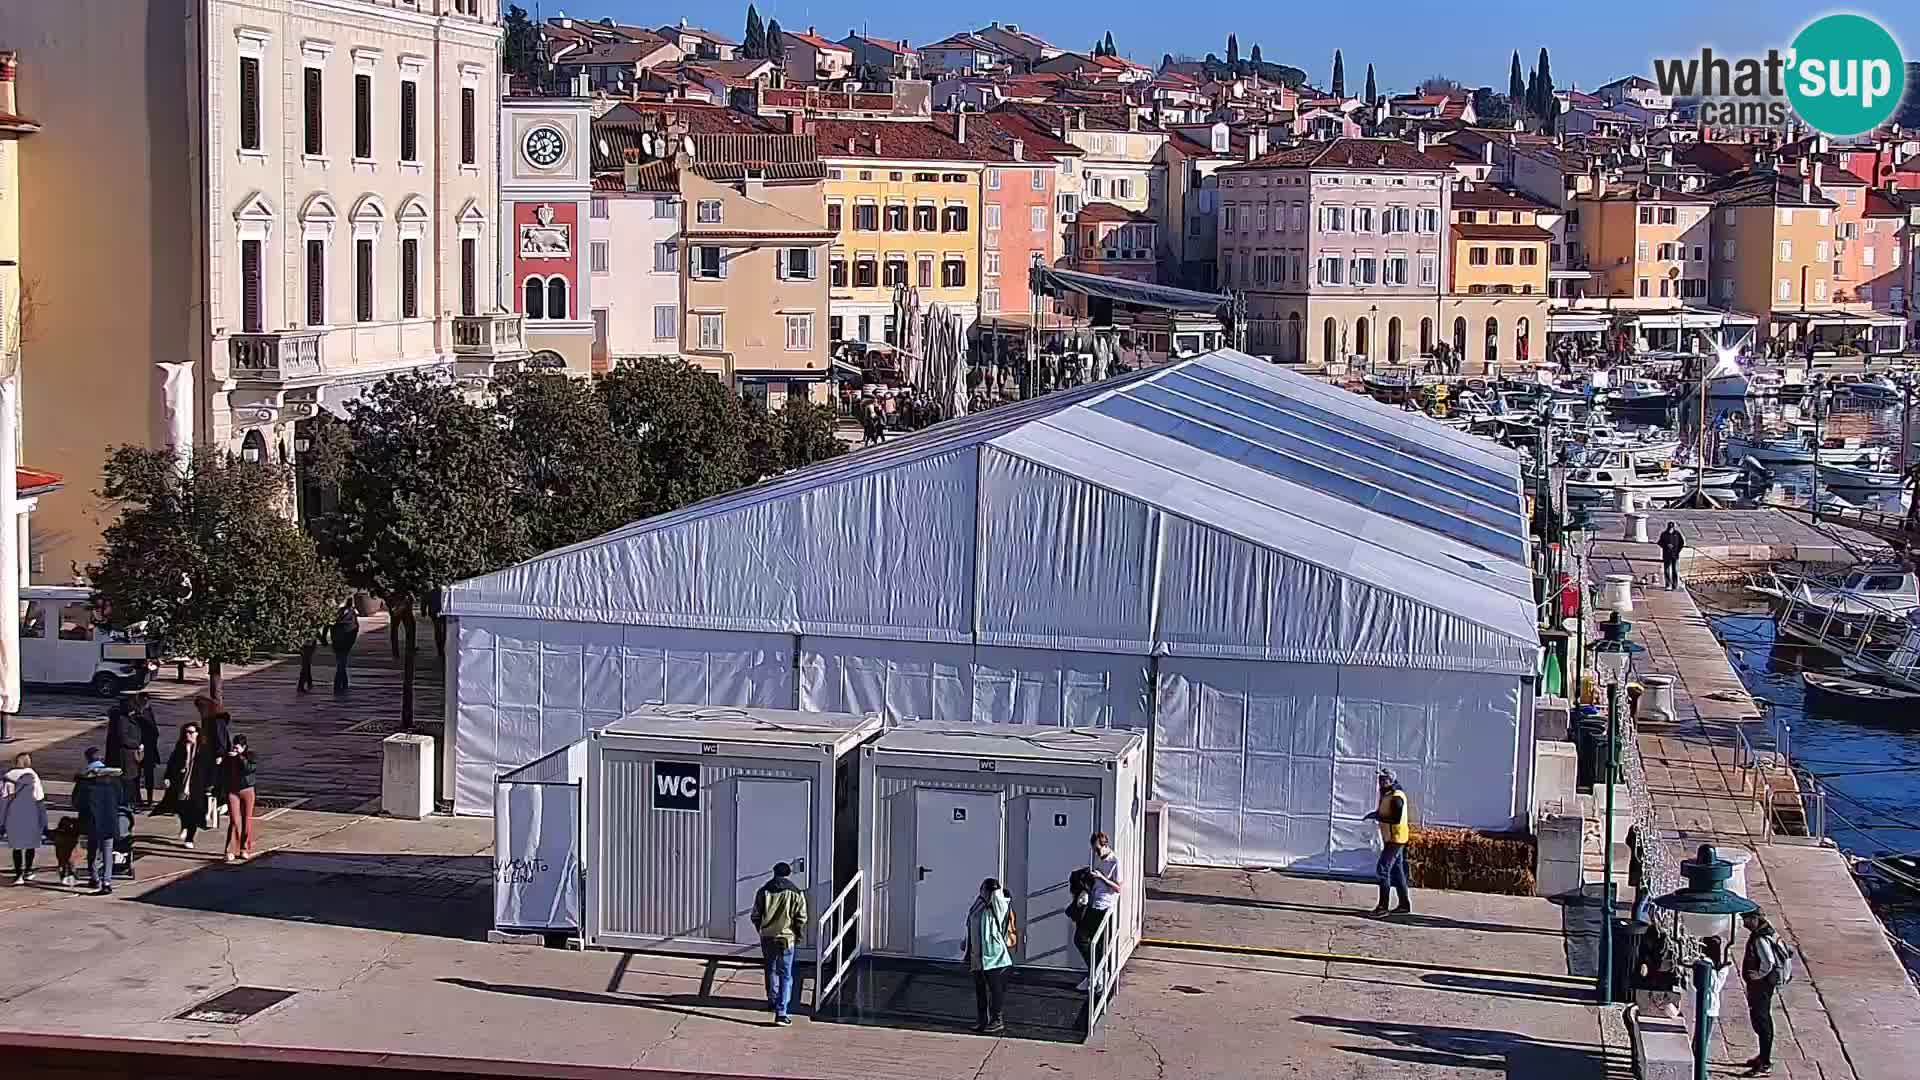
x: 1858, y: 690
x: 1841, y: 476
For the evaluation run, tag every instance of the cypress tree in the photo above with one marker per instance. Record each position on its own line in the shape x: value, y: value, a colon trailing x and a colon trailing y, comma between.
x: 1256, y: 56
x: 1544, y: 107
x: 1516, y: 86
x: 1373, y: 95
x: 776, y: 45
x: 1339, y: 75
x: 1108, y: 45
x: 1233, y: 52
x: 755, y: 46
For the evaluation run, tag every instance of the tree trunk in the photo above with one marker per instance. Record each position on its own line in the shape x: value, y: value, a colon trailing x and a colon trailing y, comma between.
x: 434, y: 602
x: 393, y: 631
x: 214, y: 688
x: 404, y: 619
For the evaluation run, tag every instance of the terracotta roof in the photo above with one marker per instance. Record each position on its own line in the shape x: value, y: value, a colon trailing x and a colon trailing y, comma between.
x: 1720, y: 159
x: 815, y: 98
x: 720, y: 158
x: 694, y: 31
x: 1879, y: 205
x: 1650, y: 193
x: 1106, y: 211
x: 964, y: 40
x: 888, y: 44
x: 36, y: 481
x: 1637, y: 82
x: 1489, y: 197
x: 908, y: 140
x: 1477, y: 231
x: 1036, y: 142
x: 1378, y: 155
x: 814, y: 40
x: 1763, y: 189
x: 1098, y: 117
x: 698, y: 118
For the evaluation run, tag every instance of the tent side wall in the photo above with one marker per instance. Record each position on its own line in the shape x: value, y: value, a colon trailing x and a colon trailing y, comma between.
x: 1265, y: 764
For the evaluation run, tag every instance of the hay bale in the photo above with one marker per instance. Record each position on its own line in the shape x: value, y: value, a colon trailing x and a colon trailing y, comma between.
x: 1470, y: 861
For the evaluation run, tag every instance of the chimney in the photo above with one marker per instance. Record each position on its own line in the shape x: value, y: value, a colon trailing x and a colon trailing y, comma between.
x: 1019, y: 150
x: 1666, y: 157
x: 811, y: 32
x: 1420, y: 139
x: 876, y: 144
x: 1079, y: 119
x: 755, y: 185
x: 850, y: 144
x: 9, y: 68
x: 1486, y: 152
x: 796, y: 123
x: 582, y: 84
x: 1133, y: 119
x: 630, y: 169
x: 1806, y: 188
x: 1819, y: 167
x: 960, y: 125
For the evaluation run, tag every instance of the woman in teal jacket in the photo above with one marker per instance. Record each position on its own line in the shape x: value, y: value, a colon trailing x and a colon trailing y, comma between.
x: 990, y: 938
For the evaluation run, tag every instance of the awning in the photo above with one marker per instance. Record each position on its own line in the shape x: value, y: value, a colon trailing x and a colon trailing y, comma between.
x: 1687, y: 319
x: 29, y: 482
x: 1837, y: 317
x: 1123, y: 290
x: 1578, y: 322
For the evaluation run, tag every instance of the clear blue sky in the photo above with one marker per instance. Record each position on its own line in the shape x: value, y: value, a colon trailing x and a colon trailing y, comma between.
x: 1589, y: 43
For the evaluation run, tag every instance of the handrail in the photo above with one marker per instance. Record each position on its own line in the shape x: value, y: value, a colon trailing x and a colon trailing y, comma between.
x: 840, y: 923
x: 1105, y: 950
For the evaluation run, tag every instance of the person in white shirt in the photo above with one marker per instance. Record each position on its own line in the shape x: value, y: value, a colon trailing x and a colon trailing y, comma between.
x: 1715, y: 953
x: 1105, y: 871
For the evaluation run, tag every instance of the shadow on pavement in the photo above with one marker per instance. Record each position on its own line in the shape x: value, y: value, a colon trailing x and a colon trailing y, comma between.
x: 921, y: 996
x: 1511, y: 988
x: 1436, y: 922
x: 727, y: 1009
x: 1469, y: 1048
x: 432, y: 895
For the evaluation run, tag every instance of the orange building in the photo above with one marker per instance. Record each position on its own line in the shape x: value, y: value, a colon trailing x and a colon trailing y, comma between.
x: 1772, y: 250
x: 1646, y: 243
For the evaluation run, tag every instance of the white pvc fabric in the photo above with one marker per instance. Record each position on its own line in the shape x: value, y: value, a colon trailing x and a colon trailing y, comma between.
x: 1034, y: 563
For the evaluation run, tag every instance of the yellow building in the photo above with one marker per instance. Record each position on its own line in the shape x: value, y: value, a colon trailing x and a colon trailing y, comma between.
x: 1773, y: 248
x: 1646, y: 243
x: 903, y: 199
x: 15, y: 325
x: 1499, y: 247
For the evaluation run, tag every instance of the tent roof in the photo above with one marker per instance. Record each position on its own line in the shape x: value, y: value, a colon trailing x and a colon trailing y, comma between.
x: 1099, y: 519
x: 1126, y: 291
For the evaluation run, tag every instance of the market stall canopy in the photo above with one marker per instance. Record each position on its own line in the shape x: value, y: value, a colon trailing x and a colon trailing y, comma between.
x: 1123, y: 291
x: 1216, y: 506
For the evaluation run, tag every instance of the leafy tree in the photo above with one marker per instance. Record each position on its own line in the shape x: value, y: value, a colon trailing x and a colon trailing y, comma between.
x: 1233, y: 52
x: 1256, y: 57
x: 806, y: 433
x: 755, y: 45
x: 1489, y: 106
x: 776, y: 44
x: 522, y: 45
x: 687, y: 428
x: 575, y: 480
x: 202, y: 552
x: 1339, y: 75
x: 1107, y: 44
x: 1373, y: 91
x: 1441, y: 86
x: 1516, y: 85
x: 428, y: 496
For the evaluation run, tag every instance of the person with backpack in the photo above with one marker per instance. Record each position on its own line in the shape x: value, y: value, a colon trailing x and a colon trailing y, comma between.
x: 780, y: 914
x: 991, y: 937
x: 1766, y: 966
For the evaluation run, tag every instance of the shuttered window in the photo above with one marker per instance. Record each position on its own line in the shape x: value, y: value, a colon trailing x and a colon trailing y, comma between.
x: 468, y: 118
x: 410, y: 278
x: 469, y: 276
x: 252, y: 319
x: 363, y: 116
x: 409, y: 115
x: 316, y: 283
x: 363, y: 280
x: 315, y: 145
x: 249, y: 103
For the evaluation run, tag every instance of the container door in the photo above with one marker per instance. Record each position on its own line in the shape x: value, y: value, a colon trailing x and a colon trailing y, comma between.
x: 79, y: 655
x: 1057, y: 832
x: 772, y: 823
x: 38, y: 641
x: 957, y: 842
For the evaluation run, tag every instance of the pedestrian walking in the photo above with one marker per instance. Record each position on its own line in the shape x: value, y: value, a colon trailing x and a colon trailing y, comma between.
x: 124, y: 742
x: 23, y: 815
x: 780, y: 914
x: 236, y: 773
x: 99, y: 795
x: 1718, y: 967
x: 189, y: 781
x: 1395, y: 817
x: 989, y: 954
x: 1103, y: 888
x: 1671, y: 545
x: 1766, y: 964
x: 149, y: 724
x: 304, y: 684
x: 344, y: 632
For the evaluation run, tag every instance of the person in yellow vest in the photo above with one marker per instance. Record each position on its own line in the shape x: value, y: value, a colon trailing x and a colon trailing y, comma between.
x: 1395, y: 816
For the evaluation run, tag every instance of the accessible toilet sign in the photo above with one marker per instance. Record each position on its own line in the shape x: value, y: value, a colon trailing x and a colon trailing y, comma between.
x: 676, y: 785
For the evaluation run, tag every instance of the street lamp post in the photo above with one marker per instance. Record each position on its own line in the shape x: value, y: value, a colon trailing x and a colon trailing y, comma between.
x: 1613, y: 654
x: 1705, y: 893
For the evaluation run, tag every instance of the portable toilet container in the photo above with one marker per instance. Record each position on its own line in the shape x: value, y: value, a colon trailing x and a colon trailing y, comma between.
x: 537, y: 825
x: 944, y: 806
x: 688, y: 809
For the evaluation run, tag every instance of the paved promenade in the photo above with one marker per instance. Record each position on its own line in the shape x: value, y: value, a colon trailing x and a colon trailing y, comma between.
x: 1854, y: 1013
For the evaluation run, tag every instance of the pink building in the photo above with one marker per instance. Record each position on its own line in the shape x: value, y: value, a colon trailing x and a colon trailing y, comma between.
x: 1114, y: 241
x: 1017, y: 207
x: 1883, y: 245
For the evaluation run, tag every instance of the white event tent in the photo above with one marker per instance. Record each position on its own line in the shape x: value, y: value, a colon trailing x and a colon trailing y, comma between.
x: 1287, y: 585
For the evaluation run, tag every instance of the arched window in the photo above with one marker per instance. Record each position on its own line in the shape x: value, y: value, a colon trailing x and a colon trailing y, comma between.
x: 1426, y: 336
x: 1393, y: 340
x: 1360, y: 342
x: 536, y: 304
x: 556, y: 297
x: 1460, y: 339
x: 1493, y: 342
x: 1522, y: 330
x: 1330, y: 342
x: 1291, y: 348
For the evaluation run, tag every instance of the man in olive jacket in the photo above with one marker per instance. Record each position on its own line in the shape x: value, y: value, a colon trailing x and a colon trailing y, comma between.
x: 780, y: 914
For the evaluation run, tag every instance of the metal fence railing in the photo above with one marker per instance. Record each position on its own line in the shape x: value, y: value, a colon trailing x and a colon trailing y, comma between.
x: 1101, y: 976
x: 842, y: 940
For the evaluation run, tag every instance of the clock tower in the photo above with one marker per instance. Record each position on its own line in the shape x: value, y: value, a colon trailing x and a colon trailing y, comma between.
x: 546, y: 200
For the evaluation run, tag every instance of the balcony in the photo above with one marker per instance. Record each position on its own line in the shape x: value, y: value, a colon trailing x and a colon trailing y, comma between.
x: 280, y: 357
x: 488, y: 346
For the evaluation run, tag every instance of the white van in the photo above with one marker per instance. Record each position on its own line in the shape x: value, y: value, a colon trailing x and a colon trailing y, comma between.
x: 62, y: 646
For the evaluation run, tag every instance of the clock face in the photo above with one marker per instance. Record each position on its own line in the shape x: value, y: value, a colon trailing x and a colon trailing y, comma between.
x: 545, y: 145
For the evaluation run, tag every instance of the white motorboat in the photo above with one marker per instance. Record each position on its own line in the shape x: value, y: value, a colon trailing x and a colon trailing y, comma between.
x: 1852, y: 479
x: 1765, y: 383
x: 1642, y: 395
x: 1799, y: 446
x: 1728, y: 379
x: 1600, y: 474
x: 1833, y: 616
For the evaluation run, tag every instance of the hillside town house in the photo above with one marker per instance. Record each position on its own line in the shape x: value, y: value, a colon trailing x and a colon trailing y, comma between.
x: 330, y: 178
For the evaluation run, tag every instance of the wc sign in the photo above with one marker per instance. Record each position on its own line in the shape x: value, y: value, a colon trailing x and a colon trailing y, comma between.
x: 676, y: 785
